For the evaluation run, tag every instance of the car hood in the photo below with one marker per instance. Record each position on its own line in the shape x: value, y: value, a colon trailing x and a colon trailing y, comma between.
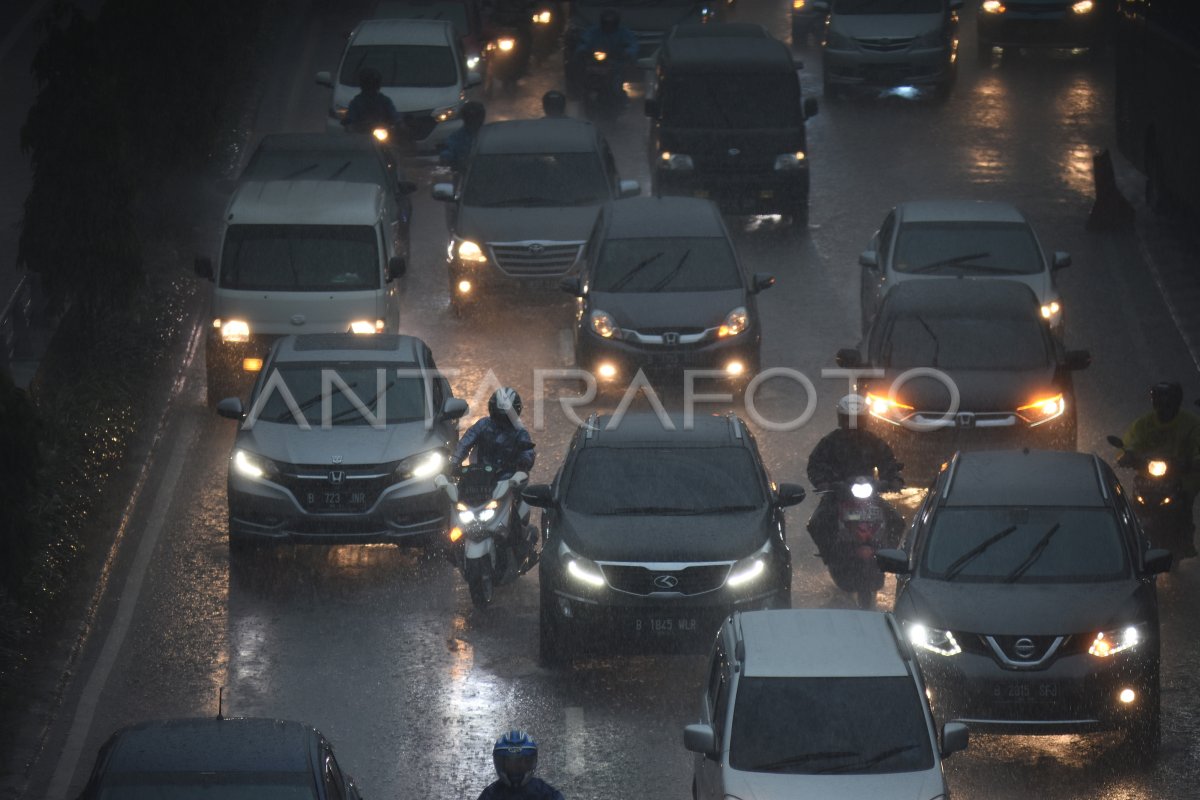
x: 407, y: 98
x: 546, y: 224
x: 890, y: 26
x: 1020, y: 609
x: 980, y: 391
x: 355, y: 444
x: 773, y: 786
x: 716, y: 537
x: 666, y: 309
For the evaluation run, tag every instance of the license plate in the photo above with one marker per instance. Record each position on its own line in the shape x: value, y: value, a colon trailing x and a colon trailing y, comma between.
x: 665, y: 625
x: 335, y: 501
x: 868, y: 514
x: 541, y: 284
x: 1032, y: 692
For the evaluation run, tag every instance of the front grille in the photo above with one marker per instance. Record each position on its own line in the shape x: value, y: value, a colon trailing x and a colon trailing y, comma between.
x: 741, y: 163
x: 332, y: 489
x: 652, y: 331
x: 874, y: 45
x: 1040, y: 9
x: 535, y: 259
x: 419, y: 124
x: 689, y: 580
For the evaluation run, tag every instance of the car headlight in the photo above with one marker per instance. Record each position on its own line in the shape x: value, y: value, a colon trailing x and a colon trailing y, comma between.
x: 543, y: 17
x: 993, y: 7
x: 249, y: 465
x: 1083, y: 7
x: 1156, y: 468
x: 599, y: 55
x: 736, y: 322
x: 1043, y: 409
x: 472, y: 62
x: 1109, y: 643
x: 1051, y: 310
x: 888, y: 408
x: 790, y: 160
x: 235, y: 330
x: 676, y: 160
x: 422, y: 465
x: 366, y: 326
x: 471, y: 252
x: 748, y: 569
x: 447, y: 113
x: 934, y: 640
x: 581, y: 569
x: 604, y: 325
x: 798, y: 5
x: 505, y: 44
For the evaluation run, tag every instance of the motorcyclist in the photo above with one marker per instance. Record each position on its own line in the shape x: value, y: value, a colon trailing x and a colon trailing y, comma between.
x: 370, y: 108
x: 848, y: 452
x: 1170, y: 432
x: 456, y: 152
x: 618, y: 42
x: 515, y: 756
x: 554, y: 104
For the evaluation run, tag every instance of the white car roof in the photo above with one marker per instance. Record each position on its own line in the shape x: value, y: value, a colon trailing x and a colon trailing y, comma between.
x: 820, y: 643
x: 403, y: 31
x: 305, y: 203
x: 958, y: 211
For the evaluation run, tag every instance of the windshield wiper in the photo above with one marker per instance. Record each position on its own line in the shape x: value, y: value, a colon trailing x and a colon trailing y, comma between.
x: 872, y: 761
x: 950, y: 262
x: 339, y: 170
x: 1034, y: 554
x: 302, y: 407
x: 345, y: 412
x: 297, y: 173
x: 648, y: 510
x: 966, y: 558
x: 620, y: 282
x: 725, y: 509
x: 936, y: 344
x: 802, y: 758
x: 670, y: 276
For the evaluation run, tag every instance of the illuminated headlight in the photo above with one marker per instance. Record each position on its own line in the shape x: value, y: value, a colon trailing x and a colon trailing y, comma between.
x: 506, y: 44
x: 465, y: 515
x: 381, y: 134
x: 888, y: 408
x: 862, y: 490
x: 604, y: 325
x: 472, y: 62
x: 470, y: 251
x: 1083, y: 7
x: 1051, y: 310
x: 447, y: 113
x: 366, y: 326
x: 748, y: 569
x: 798, y: 5
x: 1043, y: 409
x: 249, y: 465
x: 422, y: 465
x: 542, y: 18
x: 599, y: 55
x: 736, y: 322
x: 1108, y: 643
x: 235, y: 330
x: 580, y: 569
x: 677, y: 160
x: 934, y: 640
x: 489, y: 511
x: 993, y: 7
x: 1156, y: 468
x: 790, y: 160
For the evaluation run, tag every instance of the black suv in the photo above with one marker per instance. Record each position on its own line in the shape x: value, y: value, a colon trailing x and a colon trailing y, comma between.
x: 1029, y: 592
x: 662, y: 290
x: 656, y: 529
x: 728, y: 123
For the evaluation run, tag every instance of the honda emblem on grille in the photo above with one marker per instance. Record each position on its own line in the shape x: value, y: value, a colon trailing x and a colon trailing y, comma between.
x: 536, y: 249
x: 965, y: 419
x: 671, y: 338
x: 1025, y: 648
x: 666, y: 582
x: 337, y: 477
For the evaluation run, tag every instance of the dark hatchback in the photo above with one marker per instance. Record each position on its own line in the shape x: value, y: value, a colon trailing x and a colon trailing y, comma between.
x: 662, y: 290
x: 228, y: 758
x: 1043, y: 23
x: 654, y: 534
x: 1029, y: 592
x: 985, y: 342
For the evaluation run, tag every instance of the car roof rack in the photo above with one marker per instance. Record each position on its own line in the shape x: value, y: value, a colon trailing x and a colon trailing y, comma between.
x: 734, y: 423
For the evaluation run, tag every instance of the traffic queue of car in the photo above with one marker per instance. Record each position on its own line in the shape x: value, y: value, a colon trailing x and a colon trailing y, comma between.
x: 1025, y: 598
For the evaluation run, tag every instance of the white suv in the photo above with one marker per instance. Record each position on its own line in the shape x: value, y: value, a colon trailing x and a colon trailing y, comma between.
x: 817, y: 703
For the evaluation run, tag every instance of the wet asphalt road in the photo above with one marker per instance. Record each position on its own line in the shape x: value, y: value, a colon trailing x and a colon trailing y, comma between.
x: 380, y: 648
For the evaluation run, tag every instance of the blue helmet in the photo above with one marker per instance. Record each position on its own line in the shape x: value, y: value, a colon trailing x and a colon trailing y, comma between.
x: 515, y: 756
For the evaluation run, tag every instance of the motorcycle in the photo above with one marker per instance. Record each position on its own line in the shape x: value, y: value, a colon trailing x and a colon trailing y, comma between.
x: 508, y: 60
x: 603, y: 96
x: 546, y: 17
x: 1159, y: 500
x: 863, y: 522
x: 491, y: 540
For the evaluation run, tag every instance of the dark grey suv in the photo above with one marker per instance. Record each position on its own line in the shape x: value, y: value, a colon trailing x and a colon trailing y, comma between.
x: 654, y: 531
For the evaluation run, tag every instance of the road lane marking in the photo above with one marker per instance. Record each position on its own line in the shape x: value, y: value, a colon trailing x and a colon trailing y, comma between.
x: 576, y: 737
x: 566, y: 347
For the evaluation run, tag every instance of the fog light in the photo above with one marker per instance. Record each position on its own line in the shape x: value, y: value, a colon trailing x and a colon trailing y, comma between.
x: 464, y: 287
x: 252, y: 364
x: 607, y: 371
x: 1127, y: 696
x: 735, y: 368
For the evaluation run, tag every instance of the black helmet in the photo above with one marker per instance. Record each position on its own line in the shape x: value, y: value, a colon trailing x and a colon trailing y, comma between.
x: 610, y: 20
x: 1166, y: 397
x: 554, y: 103
x: 515, y: 756
x: 370, y: 79
x: 473, y: 114
x: 504, y: 401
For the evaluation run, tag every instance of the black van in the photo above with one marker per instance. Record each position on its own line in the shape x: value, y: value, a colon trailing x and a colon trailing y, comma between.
x: 727, y: 122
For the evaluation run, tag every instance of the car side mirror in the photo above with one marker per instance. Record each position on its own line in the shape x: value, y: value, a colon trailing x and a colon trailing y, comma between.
x: 893, y: 561
x: 453, y: 408
x: 629, y: 189
x: 405, y: 187
x: 848, y: 358
x: 473, y: 79
x: 443, y: 192
x: 700, y: 738
x: 324, y: 78
x: 789, y: 494
x: 231, y: 408
x: 572, y: 285
x: 761, y: 282
x: 868, y: 259
x: 1157, y: 561
x: 396, y: 267
x: 1115, y: 441
x: 539, y: 495
x: 955, y: 737
x: 653, y: 109
x: 810, y: 107
x: 203, y: 267
x: 1061, y: 259
x: 1077, y: 359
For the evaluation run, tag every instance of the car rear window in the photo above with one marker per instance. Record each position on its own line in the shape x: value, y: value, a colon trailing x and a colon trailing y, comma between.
x: 826, y: 726
x: 424, y: 9
x: 410, y: 65
x: 208, y: 785
x: 515, y: 180
x: 300, y: 258
x: 966, y: 343
x: 677, y: 264
x: 967, y: 248
x: 354, y: 392
x: 683, y: 481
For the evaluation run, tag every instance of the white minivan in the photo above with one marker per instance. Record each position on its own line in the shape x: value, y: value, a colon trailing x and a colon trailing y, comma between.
x: 299, y: 257
x: 424, y: 75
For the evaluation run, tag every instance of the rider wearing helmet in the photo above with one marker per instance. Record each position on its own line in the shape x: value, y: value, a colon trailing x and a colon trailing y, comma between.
x: 515, y: 755
x: 554, y: 104
x: 370, y: 108
x: 611, y: 37
x: 848, y: 452
x: 457, y: 150
x: 1170, y: 432
x: 498, y: 440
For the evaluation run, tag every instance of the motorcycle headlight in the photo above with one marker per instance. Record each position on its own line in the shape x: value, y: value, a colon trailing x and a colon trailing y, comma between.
x: 381, y: 134
x: 250, y: 465
x: 862, y: 490
x: 471, y: 252
x: 934, y: 640
x: 1109, y: 643
x: 580, y: 569
x: 422, y: 465
x: 677, y: 160
x: 790, y: 160
x: 542, y: 17
x: 736, y: 322
x: 1083, y: 7
x: 993, y: 7
x: 235, y: 330
x: 489, y: 511
x: 472, y: 62
x: 1043, y: 409
x: 1156, y: 467
x: 747, y: 570
x: 447, y: 113
x: 505, y: 44
x: 604, y: 325
x: 599, y: 55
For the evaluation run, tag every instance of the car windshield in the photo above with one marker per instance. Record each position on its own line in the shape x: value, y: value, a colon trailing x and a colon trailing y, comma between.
x: 419, y: 9
x: 208, y: 785
x: 1060, y: 544
x: 887, y: 6
x: 666, y: 480
x: 414, y: 65
x: 347, y: 393
x: 535, y: 179
x: 300, y: 258
x: 970, y: 248
x: 740, y: 101
x: 677, y: 264
x: 290, y: 165
x: 967, y: 343
x: 814, y: 726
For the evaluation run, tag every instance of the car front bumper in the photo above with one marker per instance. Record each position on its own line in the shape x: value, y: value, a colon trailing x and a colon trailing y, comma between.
x: 627, y: 358
x: 1054, y: 27
x: 922, y: 67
